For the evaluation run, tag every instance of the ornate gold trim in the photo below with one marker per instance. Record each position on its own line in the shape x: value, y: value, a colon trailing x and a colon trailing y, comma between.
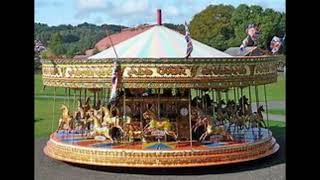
x: 163, y: 158
x: 170, y: 73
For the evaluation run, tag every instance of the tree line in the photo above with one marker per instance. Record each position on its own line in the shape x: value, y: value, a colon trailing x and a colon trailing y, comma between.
x: 219, y: 26
x: 223, y: 26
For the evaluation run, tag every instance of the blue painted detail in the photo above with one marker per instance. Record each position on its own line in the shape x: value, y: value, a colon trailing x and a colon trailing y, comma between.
x: 160, y: 146
x: 102, y: 145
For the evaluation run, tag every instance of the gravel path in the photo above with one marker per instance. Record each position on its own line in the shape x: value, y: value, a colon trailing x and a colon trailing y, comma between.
x: 272, y: 167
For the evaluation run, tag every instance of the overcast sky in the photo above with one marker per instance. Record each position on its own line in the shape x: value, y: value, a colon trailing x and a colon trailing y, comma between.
x: 131, y: 12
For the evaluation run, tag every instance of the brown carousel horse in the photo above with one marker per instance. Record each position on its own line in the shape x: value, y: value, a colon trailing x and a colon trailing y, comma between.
x: 86, y: 106
x: 238, y: 121
x: 256, y: 119
x: 210, y: 129
x: 66, y: 121
x: 162, y: 124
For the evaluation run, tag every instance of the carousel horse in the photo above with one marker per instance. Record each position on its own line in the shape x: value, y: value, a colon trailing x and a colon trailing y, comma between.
x: 231, y: 108
x: 215, y: 130
x: 210, y: 129
x: 238, y: 121
x: 243, y: 105
x: 79, y: 117
x: 201, y: 121
x: 66, y: 121
x: 87, y: 106
x: 108, y: 118
x: 222, y: 115
x: 98, y: 130
x: 257, y: 119
x: 157, y: 124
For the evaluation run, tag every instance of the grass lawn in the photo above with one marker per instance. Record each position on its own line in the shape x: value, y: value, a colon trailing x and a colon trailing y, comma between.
x: 275, y: 91
x: 38, y: 88
x: 277, y: 111
x: 44, y: 107
x: 44, y: 117
x: 278, y: 128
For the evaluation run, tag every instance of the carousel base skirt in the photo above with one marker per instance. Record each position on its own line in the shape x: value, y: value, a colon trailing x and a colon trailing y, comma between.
x: 77, y: 148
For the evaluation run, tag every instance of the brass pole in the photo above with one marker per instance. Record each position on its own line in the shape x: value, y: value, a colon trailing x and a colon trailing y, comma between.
x: 54, y: 104
x: 227, y: 95
x: 74, y: 99
x: 265, y: 99
x: 250, y: 94
x: 65, y: 95
x: 69, y: 92
x: 158, y: 103
x: 124, y: 103
x: 257, y: 96
x: 85, y: 94
x: 190, y: 125
x: 213, y: 107
x: 242, y: 100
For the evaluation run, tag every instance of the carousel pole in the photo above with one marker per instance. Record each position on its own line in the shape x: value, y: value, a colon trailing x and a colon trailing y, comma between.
x: 53, y: 109
x: 65, y: 95
x: 234, y: 94
x: 241, y: 93
x: 202, y: 99
x: 227, y: 95
x: 85, y: 94
x: 218, y: 95
x: 257, y: 96
x: 213, y: 106
x: 124, y: 104
x: 265, y: 99
x: 74, y: 98
x: 94, y: 98
x: 238, y: 97
x: 98, y: 97
x: 250, y: 94
x: 80, y: 94
x: 69, y: 93
x: 107, y: 94
x: 190, y: 125
x: 158, y: 103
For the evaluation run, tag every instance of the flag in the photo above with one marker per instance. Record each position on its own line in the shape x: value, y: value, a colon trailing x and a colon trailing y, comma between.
x: 188, y: 39
x: 114, y: 81
x: 276, y: 43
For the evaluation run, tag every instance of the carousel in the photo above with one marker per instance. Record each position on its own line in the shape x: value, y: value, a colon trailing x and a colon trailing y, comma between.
x: 141, y: 103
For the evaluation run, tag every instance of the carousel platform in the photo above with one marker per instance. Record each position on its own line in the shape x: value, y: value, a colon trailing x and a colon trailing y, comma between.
x: 77, y: 148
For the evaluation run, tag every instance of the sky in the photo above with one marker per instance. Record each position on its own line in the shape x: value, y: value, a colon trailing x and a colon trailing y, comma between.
x: 131, y: 12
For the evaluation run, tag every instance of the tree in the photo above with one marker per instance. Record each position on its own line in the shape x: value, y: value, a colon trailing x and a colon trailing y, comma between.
x: 212, y: 26
x: 56, y: 46
x: 269, y: 21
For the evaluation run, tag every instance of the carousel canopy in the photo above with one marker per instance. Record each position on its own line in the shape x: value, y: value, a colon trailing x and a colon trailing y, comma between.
x: 159, y: 42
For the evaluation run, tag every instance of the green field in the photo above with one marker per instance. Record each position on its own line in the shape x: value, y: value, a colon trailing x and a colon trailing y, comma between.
x: 277, y: 111
x: 44, y: 116
x: 275, y: 91
x: 278, y: 128
x: 44, y: 107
